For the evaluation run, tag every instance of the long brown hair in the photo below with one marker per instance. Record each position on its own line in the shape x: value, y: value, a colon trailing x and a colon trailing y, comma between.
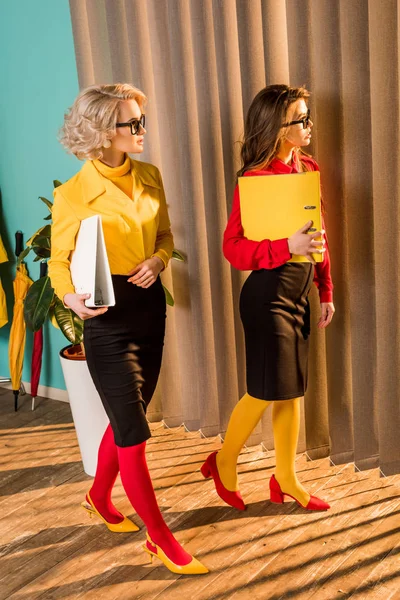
x: 263, y: 129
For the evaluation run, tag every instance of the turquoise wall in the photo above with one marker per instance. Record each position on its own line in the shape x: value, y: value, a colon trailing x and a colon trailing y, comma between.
x: 38, y: 80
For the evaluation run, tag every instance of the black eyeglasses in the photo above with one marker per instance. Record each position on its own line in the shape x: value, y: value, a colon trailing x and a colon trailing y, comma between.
x: 135, y: 124
x: 305, y: 120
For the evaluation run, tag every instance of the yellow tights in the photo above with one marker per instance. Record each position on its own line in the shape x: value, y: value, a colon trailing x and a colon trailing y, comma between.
x: 286, y: 425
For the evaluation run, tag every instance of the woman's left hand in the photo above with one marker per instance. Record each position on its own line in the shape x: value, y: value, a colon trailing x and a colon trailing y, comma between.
x: 327, y: 312
x: 145, y: 274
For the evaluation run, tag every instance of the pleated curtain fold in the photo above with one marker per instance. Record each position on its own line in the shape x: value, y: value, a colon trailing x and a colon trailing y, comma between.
x: 201, y: 62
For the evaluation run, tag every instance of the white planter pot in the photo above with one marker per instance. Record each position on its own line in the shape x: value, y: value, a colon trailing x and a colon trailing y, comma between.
x: 89, y: 416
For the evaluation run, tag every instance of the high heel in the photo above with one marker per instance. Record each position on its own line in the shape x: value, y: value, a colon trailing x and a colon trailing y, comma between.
x: 277, y: 497
x: 209, y: 469
x: 125, y: 526
x: 195, y: 567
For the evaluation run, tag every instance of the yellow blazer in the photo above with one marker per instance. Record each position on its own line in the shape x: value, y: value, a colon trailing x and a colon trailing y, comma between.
x: 134, y: 228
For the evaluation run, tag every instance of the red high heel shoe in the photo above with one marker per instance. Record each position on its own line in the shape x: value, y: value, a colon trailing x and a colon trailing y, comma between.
x: 277, y: 496
x: 209, y: 469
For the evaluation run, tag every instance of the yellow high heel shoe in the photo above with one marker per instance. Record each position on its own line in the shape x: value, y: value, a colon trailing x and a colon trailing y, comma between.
x: 193, y: 568
x: 124, y: 527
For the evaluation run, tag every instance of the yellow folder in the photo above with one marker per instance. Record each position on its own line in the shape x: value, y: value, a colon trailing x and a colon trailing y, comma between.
x: 276, y: 206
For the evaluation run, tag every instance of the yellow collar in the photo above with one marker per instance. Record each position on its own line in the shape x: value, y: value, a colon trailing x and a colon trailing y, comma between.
x: 113, y: 172
x: 93, y: 184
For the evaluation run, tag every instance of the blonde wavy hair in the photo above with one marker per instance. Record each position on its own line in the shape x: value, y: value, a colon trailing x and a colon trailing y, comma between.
x: 91, y: 120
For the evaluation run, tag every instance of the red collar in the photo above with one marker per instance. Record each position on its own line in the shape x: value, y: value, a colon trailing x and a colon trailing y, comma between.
x: 278, y: 167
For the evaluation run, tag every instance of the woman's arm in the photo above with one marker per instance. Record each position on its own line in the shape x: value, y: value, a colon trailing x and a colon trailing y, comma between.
x: 146, y: 273
x: 248, y: 255
x: 322, y: 276
x: 63, y: 234
x: 164, y: 244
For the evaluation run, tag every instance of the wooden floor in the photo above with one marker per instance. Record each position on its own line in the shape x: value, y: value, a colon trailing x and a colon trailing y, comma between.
x: 50, y: 548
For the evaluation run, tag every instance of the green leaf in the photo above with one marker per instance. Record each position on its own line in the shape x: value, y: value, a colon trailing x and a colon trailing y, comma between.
x: 52, y: 315
x: 37, y: 303
x: 43, y: 231
x: 41, y: 241
x: 41, y: 252
x: 177, y: 255
x: 48, y: 217
x: 70, y: 324
x: 23, y: 254
x: 47, y: 203
x: 168, y: 297
x: 56, y: 183
x: 41, y: 244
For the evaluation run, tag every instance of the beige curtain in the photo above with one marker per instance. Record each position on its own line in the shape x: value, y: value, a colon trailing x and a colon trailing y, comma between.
x: 201, y: 62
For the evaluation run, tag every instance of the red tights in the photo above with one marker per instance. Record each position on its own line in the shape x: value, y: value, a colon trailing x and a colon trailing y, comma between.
x: 135, y: 477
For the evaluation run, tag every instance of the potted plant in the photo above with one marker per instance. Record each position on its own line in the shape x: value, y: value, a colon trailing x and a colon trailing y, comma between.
x: 41, y: 303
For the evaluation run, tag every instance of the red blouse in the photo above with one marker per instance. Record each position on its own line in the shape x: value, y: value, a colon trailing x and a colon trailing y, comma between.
x: 248, y: 255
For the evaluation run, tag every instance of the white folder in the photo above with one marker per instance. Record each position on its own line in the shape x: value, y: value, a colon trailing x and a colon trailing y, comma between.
x: 90, y: 270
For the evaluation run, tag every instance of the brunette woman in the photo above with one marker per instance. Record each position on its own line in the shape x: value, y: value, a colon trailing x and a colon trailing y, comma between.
x: 274, y: 303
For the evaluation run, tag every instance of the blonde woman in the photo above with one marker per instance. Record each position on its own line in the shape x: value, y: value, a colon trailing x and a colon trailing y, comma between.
x: 123, y: 343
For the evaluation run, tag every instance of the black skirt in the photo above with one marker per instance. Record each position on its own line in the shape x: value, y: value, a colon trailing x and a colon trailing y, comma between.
x: 123, y: 351
x: 275, y: 313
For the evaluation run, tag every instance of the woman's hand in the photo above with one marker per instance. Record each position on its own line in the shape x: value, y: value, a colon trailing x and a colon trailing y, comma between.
x: 305, y: 244
x: 327, y: 312
x: 76, y: 302
x: 145, y: 274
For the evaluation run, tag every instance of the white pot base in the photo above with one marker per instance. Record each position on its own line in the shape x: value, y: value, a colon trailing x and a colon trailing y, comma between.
x: 90, y: 418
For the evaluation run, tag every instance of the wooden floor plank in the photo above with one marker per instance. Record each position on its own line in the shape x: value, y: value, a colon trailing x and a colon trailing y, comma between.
x: 311, y: 558
x: 383, y: 581
x: 55, y: 558
x: 50, y: 549
x: 228, y: 532
x: 375, y: 533
x: 259, y: 541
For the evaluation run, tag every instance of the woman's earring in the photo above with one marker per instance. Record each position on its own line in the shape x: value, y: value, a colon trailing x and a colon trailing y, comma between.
x: 107, y: 144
